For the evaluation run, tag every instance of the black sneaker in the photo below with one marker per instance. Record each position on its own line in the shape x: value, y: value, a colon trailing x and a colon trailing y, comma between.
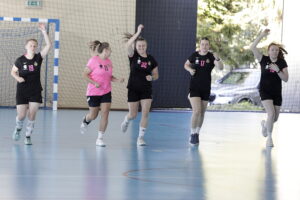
x: 194, y: 139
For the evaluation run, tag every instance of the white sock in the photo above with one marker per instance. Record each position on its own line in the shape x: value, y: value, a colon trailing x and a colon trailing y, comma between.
x: 29, y: 128
x: 100, y: 135
x: 142, y: 131
x: 193, y: 130
x: 126, y: 120
x: 19, y: 123
x: 198, y: 130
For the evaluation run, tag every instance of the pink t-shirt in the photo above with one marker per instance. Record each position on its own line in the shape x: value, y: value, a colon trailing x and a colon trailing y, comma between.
x: 101, y: 72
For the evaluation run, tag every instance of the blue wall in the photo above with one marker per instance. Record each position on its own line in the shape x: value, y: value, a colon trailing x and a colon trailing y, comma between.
x: 170, y: 29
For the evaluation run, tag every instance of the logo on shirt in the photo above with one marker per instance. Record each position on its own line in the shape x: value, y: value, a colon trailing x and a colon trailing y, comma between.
x: 144, y: 65
x: 35, y: 64
x: 202, y: 63
x: 31, y: 68
x: 207, y: 60
x: 104, y: 66
x: 269, y: 68
x: 24, y: 67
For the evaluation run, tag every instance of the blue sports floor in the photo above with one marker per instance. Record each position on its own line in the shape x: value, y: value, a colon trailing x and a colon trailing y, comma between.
x: 231, y: 162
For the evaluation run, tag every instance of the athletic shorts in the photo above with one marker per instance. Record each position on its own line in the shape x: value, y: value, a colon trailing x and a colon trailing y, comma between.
x: 137, y: 95
x: 95, y: 101
x: 277, y: 99
x: 23, y: 98
x: 204, y: 95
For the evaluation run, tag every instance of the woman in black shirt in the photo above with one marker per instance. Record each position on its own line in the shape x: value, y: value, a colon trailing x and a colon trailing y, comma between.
x: 200, y: 65
x: 273, y: 72
x: 143, y: 70
x: 26, y: 71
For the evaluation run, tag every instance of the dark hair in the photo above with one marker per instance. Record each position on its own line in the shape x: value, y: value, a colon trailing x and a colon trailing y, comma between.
x: 282, y: 51
x: 93, y: 44
x: 34, y: 40
x: 204, y: 38
x: 99, y: 46
x: 127, y: 36
x: 102, y: 46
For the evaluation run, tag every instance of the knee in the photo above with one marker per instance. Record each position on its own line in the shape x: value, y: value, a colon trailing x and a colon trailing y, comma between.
x: 197, y: 112
x: 105, y: 114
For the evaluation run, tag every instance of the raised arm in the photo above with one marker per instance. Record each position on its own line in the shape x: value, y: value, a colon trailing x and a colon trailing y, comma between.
x: 46, y: 49
x: 130, y: 42
x: 257, y: 54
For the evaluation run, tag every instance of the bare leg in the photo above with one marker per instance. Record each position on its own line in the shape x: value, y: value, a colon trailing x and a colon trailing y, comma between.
x: 105, y: 108
x: 196, y: 108
x: 203, y: 109
x: 133, y: 110
x: 270, y: 109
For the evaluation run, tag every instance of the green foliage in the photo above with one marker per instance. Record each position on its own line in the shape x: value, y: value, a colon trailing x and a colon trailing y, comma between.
x: 230, y: 27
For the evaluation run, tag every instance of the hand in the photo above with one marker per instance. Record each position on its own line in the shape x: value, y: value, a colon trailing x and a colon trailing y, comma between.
x: 42, y: 27
x: 21, y: 80
x: 140, y: 27
x: 217, y: 57
x: 122, y: 80
x: 192, y: 72
x: 149, y: 78
x: 274, y: 67
x: 265, y: 32
x: 97, y: 85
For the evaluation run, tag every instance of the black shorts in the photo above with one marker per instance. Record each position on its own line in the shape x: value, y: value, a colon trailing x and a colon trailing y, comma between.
x: 95, y: 101
x: 137, y: 95
x: 23, y: 98
x: 277, y: 98
x: 204, y: 95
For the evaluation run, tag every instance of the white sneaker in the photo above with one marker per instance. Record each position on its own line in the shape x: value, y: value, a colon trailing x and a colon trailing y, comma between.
x: 269, y: 142
x: 83, y: 128
x: 16, y: 134
x: 27, y: 141
x: 124, y: 126
x: 100, y: 143
x: 263, y: 128
x: 141, y: 141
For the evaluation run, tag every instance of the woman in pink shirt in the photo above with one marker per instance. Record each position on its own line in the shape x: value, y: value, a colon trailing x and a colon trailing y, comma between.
x: 98, y: 74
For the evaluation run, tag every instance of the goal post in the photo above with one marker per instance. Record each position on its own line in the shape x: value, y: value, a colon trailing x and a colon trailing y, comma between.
x: 14, y: 31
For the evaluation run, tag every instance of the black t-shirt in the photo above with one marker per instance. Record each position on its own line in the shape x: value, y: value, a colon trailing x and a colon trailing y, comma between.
x: 269, y: 80
x: 30, y: 71
x: 203, y: 64
x: 140, y: 67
